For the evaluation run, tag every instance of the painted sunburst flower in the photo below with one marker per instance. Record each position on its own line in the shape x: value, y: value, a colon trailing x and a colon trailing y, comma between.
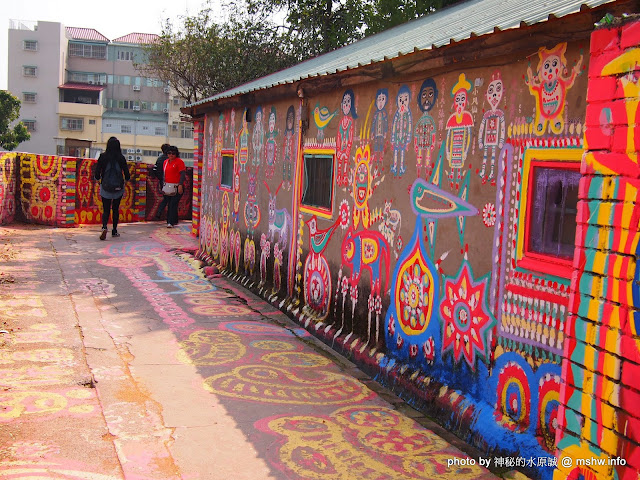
x: 414, y: 298
x: 489, y: 215
x: 467, y: 320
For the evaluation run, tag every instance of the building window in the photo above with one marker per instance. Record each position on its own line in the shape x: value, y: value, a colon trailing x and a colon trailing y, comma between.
x: 30, y: 71
x: 30, y: 124
x: 92, y: 122
x: 87, y: 50
x: 186, y: 130
x: 553, y: 212
x: 160, y: 131
x: 548, y: 209
x: 125, y: 128
x: 317, y: 190
x: 226, y: 170
x: 75, y: 124
x: 29, y: 97
x: 125, y: 55
x: 31, y: 45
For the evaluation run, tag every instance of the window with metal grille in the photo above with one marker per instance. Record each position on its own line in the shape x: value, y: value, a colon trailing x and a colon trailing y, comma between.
x: 30, y: 71
x: 68, y: 123
x: 29, y: 97
x: 318, y: 181
x: 125, y: 128
x: 31, y: 45
x: 552, y: 228
x: 30, y: 124
x: 87, y: 50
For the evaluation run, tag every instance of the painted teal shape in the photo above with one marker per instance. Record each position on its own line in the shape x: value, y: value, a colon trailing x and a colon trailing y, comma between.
x: 433, y: 203
x: 464, y: 196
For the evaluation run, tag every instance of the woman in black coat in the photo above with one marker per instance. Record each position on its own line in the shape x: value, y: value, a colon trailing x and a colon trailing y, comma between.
x: 110, y: 169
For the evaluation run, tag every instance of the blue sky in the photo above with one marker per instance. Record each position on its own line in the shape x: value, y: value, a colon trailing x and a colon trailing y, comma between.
x: 113, y: 18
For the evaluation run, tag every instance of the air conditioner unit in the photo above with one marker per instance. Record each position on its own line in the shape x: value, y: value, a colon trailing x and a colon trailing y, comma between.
x: 138, y: 158
x: 139, y: 150
x: 165, y: 110
x: 136, y: 88
x: 90, y: 82
x: 131, y: 150
x: 136, y: 108
x: 166, y: 89
x: 129, y: 157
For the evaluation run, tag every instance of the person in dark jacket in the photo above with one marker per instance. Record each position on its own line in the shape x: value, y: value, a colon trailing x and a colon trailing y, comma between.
x: 159, y: 174
x: 111, y: 158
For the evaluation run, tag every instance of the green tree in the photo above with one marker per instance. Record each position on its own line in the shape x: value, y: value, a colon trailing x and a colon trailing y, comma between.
x: 200, y: 57
x: 385, y: 14
x: 317, y: 26
x: 11, y: 137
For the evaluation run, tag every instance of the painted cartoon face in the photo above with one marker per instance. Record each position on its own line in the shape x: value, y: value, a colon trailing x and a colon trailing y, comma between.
x: 272, y: 122
x: 494, y: 93
x: 427, y: 98
x: 290, y: 121
x: 346, y: 104
x: 551, y: 68
x: 460, y: 100
x: 403, y: 102
x: 361, y: 184
x: 258, y: 117
x: 236, y: 182
x: 381, y: 101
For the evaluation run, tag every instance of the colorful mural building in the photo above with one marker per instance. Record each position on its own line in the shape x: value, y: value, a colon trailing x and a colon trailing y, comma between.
x: 452, y: 205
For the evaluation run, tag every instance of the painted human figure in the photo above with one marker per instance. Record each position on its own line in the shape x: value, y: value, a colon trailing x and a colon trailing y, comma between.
x: 379, y: 126
x: 271, y: 147
x: 243, y: 147
x: 549, y: 85
x: 459, y: 130
x: 210, y: 144
x: 217, y: 154
x: 257, y: 140
x: 344, y: 141
x: 492, y: 129
x: 401, y: 130
x: 288, y: 148
x: 425, y: 134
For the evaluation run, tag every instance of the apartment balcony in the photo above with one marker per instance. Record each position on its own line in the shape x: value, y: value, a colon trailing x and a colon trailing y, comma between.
x: 80, y: 109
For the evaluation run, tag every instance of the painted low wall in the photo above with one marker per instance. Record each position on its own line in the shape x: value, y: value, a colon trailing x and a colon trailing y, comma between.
x: 61, y: 191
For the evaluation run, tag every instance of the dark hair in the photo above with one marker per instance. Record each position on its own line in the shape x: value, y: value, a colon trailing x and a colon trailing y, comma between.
x: 173, y: 149
x: 165, y: 148
x: 113, y: 147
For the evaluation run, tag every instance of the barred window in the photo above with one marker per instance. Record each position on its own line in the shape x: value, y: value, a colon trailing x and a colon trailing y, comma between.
x: 30, y: 124
x: 29, y: 97
x: 87, y: 50
x: 31, y: 45
x: 69, y: 123
x: 30, y: 71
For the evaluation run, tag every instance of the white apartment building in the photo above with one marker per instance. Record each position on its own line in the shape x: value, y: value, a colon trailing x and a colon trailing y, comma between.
x: 78, y: 88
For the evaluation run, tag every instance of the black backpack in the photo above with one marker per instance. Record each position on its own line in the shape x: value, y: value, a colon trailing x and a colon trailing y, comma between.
x: 112, y: 180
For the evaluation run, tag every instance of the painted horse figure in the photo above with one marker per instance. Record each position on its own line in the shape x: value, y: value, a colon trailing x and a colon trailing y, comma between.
x: 279, y: 220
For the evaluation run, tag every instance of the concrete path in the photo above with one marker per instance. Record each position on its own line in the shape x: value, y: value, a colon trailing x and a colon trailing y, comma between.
x: 120, y: 359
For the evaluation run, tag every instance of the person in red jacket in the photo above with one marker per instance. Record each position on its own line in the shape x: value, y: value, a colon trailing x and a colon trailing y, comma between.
x: 174, y: 173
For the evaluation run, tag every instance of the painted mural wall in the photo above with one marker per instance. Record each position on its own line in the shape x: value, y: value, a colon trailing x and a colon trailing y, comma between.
x: 61, y: 191
x: 599, y: 416
x: 399, y: 221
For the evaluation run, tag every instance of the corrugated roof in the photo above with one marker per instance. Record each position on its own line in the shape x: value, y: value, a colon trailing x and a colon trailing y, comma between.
x: 456, y: 23
x: 137, y: 38
x: 91, y: 34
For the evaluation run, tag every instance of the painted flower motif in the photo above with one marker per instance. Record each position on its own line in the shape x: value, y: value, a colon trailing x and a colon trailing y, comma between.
x: 378, y: 305
x: 391, y: 328
x: 344, y: 214
x: 354, y: 294
x: 467, y: 320
x: 344, y: 286
x: 414, y: 297
x: 429, y: 349
x: 399, y: 342
x: 489, y: 215
x: 371, y: 303
x: 413, y: 351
